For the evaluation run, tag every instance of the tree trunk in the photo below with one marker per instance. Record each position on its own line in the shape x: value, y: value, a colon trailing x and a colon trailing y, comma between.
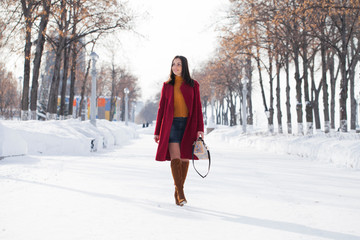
x: 64, y: 81
x: 113, y: 94
x: 315, y: 93
x: 67, y: 50
x: 38, y: 55
x: 27, y: 11
x: 83, y: 87
x: 271, y: 84
x: 333, y: 77
x: 325, y: 87
x: 262, y: 87
x: 54, y: 89
x: 74, y: 53
x: 218, y: 112
x: 343, y: 95
x: 250, y: 120
x: 73, y: 77
x: 344, y: 81
x: 26, y: 80
x: 308, y: 103
x: 241, y: 120
x: 122, y: 115
x: 278, y: 100
x: 352, y: 69
x: 232, y: 108
x: 298, y: 91
x: 204, y: 110
x: 288, y: 105
x: 224, y: 120
x: 352, y: 99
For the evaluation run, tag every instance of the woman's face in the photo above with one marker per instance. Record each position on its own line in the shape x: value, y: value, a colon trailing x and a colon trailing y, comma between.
x: 176, y: 67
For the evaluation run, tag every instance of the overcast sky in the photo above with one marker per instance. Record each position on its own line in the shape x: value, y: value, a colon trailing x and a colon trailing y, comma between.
x: 169, y: 28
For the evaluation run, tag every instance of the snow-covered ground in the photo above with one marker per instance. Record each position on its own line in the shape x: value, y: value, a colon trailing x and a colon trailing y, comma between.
x: 260, y: 186
x: 71, y: 137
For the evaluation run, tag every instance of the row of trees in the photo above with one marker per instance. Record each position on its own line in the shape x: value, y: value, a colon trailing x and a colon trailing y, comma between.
x: 68, y: 31
x: 111, y: 81
x: 9, y: 97
x: 268, y: 40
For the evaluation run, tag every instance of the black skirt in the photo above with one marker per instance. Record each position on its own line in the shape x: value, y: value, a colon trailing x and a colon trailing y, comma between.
x: 177, y: 129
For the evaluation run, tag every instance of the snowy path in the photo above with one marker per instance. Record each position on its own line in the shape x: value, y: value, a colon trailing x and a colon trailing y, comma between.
x: 124, y: 194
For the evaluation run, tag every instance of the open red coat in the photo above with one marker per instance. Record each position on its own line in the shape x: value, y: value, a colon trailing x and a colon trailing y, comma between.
x: 165, y: 118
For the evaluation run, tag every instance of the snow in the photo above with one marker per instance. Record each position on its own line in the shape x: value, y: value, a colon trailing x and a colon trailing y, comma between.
x: 69, y: 137
x: 11, y: 143
x: 260, y: 186
x: 341, y: 149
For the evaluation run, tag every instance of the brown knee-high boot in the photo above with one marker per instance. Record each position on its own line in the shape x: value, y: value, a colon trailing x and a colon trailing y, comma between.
x: 184, y: 168
x: 184, y: 171
x: 176, y: 170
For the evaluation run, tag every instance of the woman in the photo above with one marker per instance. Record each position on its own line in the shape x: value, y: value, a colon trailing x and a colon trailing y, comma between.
x: 179, y: 123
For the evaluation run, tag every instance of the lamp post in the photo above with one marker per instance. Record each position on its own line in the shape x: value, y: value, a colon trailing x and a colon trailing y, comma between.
x: 126, y: 91
x: 244, y: 93
x: 94, y: 58
x: 133, y: 106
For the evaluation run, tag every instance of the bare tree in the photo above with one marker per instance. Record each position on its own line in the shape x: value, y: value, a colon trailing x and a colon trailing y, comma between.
x: 40, y: 41
x: 28, y: 9
x: 92, y: 19
x: 9, y: 98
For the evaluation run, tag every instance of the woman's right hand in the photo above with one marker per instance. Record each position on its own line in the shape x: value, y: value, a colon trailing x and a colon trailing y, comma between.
x: 156, y: 138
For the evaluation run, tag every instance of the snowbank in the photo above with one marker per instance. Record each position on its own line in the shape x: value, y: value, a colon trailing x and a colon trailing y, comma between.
x: 341, y: 149
x: 11, y: 143
x: 66, y: 137
x: 74, y: 137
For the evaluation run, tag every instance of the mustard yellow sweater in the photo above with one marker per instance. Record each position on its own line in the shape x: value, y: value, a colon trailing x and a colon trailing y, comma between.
x: 180, y: 108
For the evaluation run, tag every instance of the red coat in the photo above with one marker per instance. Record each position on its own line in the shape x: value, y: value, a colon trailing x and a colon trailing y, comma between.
x: 165, y: 117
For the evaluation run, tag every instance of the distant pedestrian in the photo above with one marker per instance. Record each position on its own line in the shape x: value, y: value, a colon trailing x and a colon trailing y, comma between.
x: 179, y: 123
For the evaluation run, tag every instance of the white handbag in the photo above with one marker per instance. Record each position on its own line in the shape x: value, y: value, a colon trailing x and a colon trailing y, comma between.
x: 201, y: 151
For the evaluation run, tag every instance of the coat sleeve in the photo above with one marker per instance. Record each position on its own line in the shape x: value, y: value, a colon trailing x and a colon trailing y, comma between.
x: 200, y: 120
x: 160, y: 113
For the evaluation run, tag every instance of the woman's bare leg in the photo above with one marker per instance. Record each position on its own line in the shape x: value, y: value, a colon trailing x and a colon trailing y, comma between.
x: 174, y: 150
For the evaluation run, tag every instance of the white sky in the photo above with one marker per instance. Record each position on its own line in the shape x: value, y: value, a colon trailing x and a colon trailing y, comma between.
x: 169, y: 28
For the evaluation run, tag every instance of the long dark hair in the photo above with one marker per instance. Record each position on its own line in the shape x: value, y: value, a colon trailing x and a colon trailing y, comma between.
x: 185, y: 73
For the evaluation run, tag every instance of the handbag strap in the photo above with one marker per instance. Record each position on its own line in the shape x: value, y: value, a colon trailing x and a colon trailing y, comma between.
x: 203, y: 176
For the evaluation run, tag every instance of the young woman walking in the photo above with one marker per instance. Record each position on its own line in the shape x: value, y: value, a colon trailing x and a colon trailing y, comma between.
x: 179, y: 123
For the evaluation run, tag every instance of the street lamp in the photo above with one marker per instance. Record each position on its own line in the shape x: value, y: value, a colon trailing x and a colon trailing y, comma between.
x: 94, y: 58
x: 244, y: 93
x: 126, y: 91
x: 133, y: 106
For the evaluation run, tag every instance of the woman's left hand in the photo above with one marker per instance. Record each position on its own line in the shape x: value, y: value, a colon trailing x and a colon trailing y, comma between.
x: 200, y: 134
